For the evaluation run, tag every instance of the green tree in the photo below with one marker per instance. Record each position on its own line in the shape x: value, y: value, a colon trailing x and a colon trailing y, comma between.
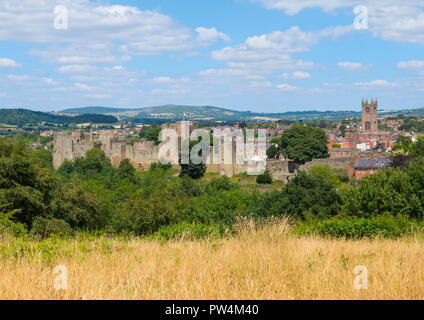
x: 24, y: 185
x: 153, y: 134
x: 309, y: 193
x: 303, y: 144
x: 94, y: 162
x: 194, y: 171
x: 264, y: 178
x: 273, y: 152
x: 416, y: 149
x: 127, y: 171
x: 390, y: 191
x: 304, y: 196
x: 326, y: 173
x: 160, y: 165
x: 402, y: 144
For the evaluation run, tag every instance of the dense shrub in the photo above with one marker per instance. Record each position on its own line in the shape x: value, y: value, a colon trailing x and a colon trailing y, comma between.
x: 46, y: 227
x: 218, y: 209
x: 307, y: 192
x: 127, y: 171
x: 160, y: 165
x: 184, y: 230
x: 7, y: 225
x: 386, y: 192
x: 303, y: 144
x: 219, y: 184
x: 264, y: 178
x: 194, y: 171
x: 381, y: 226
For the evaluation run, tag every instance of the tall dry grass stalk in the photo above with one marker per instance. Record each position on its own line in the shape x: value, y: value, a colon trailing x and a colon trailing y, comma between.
x: 259, y: 262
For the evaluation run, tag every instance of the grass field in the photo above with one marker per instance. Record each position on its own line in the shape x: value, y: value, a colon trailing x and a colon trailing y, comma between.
x: 257, y: 263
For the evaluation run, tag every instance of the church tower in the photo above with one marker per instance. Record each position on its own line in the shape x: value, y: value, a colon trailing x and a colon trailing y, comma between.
x: 369, y: 116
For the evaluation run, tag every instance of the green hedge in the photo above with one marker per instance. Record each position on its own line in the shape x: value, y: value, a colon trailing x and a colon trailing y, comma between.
x: 189, y: 231
x: 382, y: 226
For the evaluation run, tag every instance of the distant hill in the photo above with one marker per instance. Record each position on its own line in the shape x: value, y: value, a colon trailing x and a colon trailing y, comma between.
x: 170, y: 112
x: 94, y: 110
x: 23, y: 117
x: 210, y: 113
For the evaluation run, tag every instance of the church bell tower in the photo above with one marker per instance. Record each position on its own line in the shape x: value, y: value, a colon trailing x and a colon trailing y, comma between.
x: 369, y: 116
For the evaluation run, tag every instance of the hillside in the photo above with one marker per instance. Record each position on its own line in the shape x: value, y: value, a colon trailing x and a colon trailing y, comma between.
x: 94, y: 110
x: 167, y: 112
x: 23, y: 117
x: 210, y: 113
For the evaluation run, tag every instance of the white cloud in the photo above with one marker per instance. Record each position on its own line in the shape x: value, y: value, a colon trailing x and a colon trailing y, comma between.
x: 140, y: 32
x: 99, y: 96
x: 76, y: 69
x: 293, y: 7
x: 375, y: 83
x: 8, y: 63
x: 397, y: 20
x: 353, y: 66
x: 162, y: 80
x: 219, y: 73
x: 168, y: 80
x: 81, y: 54
x: 273, y: 51
x: 211, y: 35
x: 82, y: 86
x: 13, y: 77
x: 260, y: 84
x: 286, y: 87
x: 50, y: 81
x: 296, y: 75
x: 170, y: 91
x: 411, y: 65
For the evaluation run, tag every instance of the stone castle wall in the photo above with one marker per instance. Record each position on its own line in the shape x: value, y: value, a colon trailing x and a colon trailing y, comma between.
x: 335, y: 163
x: 281, y: 169
x: 72, y: 145
x: 343, y: 153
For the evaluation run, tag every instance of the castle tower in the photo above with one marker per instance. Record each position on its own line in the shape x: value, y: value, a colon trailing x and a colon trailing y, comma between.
x: 369, y: 116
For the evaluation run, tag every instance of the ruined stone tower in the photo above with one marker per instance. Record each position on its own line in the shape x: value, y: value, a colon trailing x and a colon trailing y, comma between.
x: 369, y: 116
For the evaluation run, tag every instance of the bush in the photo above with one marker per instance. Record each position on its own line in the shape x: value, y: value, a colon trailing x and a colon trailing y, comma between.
x: 218, y: 184
x: 221, y: 208
x: 46, y: 227
x: 382, y: 226
x: 310, y: 193
x: 264, y: 178
x: 190, y: 231
x: 194, y: 171
x: 389, y: 191
x: 127, y: 171
x: 159, y: 164
x: 7, y: 225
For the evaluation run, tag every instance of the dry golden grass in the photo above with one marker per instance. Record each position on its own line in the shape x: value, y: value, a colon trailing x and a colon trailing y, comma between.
x: 257, y: 264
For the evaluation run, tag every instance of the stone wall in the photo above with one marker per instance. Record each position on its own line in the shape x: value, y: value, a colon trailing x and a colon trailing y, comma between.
x: 343, y: 152
x: 281, y: 169
x: 63, y: 148
x: 335, y: 163
x: 72, y: 145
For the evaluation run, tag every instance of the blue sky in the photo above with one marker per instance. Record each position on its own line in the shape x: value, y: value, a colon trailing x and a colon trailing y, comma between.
x: 259, y: 55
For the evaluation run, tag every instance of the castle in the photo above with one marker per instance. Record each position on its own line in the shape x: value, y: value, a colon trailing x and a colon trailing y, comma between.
x: 72, y: 145
x: 370, y: 116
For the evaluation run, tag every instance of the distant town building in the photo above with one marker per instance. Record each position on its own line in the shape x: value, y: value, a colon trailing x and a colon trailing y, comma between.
x: 367, y: 166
